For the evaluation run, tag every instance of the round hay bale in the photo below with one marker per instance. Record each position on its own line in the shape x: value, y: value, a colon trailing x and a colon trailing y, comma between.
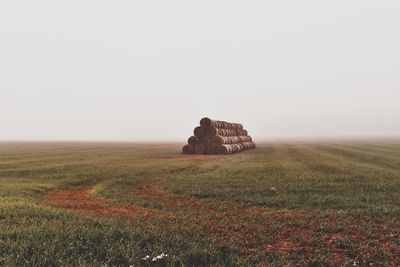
x: 206, y: 122
x: 188, y: 149
x: 193, y: 140
x: 222, y: 149
x: 199, y: 132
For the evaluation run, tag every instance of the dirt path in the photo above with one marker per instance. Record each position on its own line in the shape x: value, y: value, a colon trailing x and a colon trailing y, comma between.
x: 249, y: 229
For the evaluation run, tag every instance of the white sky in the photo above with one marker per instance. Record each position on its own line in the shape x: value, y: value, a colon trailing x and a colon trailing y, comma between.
x: 149, y: 70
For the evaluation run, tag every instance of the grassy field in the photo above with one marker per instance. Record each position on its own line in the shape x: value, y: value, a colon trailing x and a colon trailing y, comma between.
x: 335, y: 203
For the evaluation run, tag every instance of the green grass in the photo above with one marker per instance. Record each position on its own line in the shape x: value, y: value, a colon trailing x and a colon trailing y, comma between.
x: 350, y: 181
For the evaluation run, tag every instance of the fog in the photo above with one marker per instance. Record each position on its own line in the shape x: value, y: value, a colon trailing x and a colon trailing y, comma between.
x: 149, y: 70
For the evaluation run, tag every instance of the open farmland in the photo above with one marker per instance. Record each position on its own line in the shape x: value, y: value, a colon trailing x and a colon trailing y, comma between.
x: 335, y: 203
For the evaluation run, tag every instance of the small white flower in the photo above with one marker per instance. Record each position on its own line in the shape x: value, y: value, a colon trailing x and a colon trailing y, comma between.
x: 145, y: 258
x: 159, y: 257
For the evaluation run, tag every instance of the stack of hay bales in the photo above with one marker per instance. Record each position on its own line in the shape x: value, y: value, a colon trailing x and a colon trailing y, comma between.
x: 218, y: 137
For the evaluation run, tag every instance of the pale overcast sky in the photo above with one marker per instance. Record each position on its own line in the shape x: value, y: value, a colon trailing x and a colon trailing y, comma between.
x: 149, y: 70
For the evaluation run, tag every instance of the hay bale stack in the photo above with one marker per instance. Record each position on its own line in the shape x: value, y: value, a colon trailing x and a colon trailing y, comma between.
x: 218, y: 137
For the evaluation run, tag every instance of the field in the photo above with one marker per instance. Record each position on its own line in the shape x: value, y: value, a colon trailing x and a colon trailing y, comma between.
x: 283, y: 204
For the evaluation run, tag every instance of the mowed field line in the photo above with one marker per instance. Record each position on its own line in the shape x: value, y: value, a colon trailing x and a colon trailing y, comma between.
x: 314, y: 160
x: 381, y: 161
x: 390, y: 149
x: 373, y: 151
x: 342, y: 159
x: 281, y: 155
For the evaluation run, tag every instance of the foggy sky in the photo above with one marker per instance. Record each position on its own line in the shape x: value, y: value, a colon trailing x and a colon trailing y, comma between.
x: 149, y: 70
